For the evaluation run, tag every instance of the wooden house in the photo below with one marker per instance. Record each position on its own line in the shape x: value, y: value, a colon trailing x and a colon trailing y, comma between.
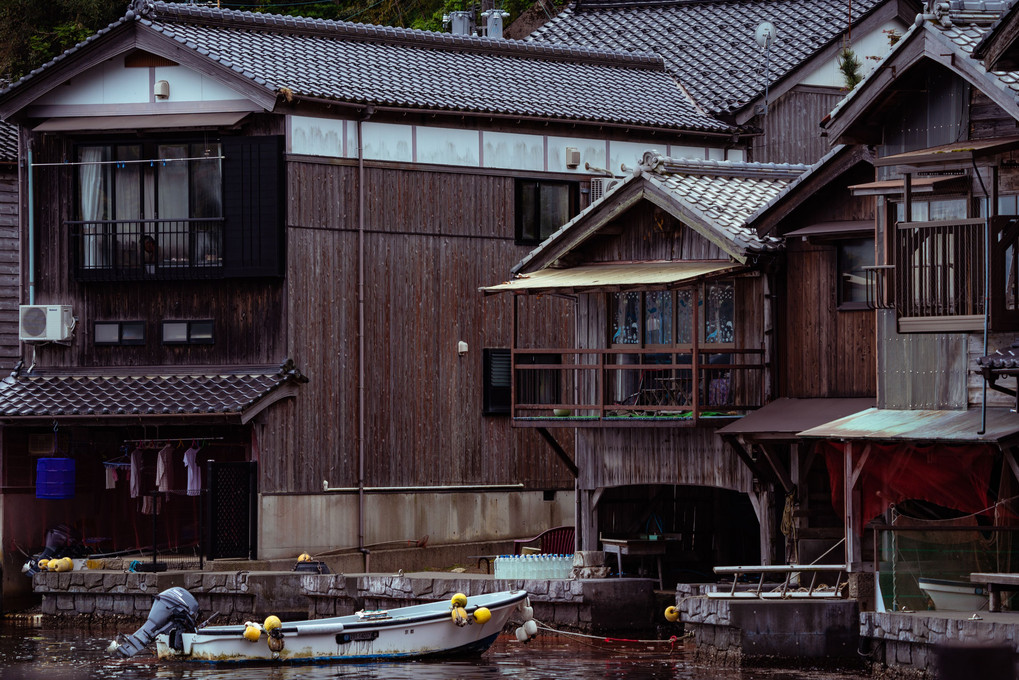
x: 940, y: 442
x: 260, y: 238
x: 10, y: 191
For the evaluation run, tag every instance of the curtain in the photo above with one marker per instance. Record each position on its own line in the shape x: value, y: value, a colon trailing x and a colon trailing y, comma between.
x: 92, y: 190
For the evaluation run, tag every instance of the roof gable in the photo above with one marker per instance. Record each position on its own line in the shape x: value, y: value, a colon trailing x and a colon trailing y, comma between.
x: 713, y: 198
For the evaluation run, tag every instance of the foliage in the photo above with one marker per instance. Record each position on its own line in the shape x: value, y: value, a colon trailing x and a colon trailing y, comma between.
x: 849, y: 65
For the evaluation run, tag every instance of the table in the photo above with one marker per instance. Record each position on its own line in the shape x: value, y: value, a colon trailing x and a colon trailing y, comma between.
x: 995, y: 583
x: 635, y: 546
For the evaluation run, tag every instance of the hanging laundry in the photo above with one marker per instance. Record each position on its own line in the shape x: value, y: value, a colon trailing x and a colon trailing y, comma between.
x: 163, y: 466
x: 136, y: 472
x: 194, y: 472
x: 152, y: 505
x: 111, y: 476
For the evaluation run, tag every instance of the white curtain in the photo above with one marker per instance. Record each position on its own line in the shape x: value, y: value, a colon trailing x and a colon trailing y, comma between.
x: 93, y: 195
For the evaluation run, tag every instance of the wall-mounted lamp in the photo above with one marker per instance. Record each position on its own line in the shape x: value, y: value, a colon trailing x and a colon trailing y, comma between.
x: 161, y: 90
x: 461, y: 348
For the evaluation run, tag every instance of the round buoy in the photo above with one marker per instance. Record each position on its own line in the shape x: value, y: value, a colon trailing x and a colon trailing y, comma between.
x: 671, y: 614
x: 63, y: 564
x: 43, y: 563
x: 459, y: 600
x: 252, y: 632
x: 459, y: 616
x: 531, y: 628
x: 482, y: 615
x: 275, y: 644
x: 272, y: 623
x: 304, y: 557
x: 521, y: 635
x: 527, y: 613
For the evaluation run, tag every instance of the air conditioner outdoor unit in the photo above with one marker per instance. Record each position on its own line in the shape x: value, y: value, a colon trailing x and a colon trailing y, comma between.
x: 45, y: 323
x: 602, y: 185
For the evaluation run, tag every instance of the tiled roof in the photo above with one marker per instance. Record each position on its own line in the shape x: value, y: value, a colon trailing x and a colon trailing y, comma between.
x: 152, y: 391
x: 723, y: 196
x: 8, y: 143
x: 709, y: 45
x: 382, y: 66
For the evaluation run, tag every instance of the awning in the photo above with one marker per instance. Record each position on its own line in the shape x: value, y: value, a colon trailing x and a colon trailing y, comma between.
x: 921, y: 426
x: 610, y: 276
x: 236, y: 393
x: 955, y: 153
x: 784, y: 418
x: 163, y: 120
x: 918, y: 185
x: 846, y: 228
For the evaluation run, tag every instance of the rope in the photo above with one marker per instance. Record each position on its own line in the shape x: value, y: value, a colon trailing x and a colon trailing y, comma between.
x: 582, y: 636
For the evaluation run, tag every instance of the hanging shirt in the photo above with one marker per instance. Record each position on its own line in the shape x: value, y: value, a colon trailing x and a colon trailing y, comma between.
x: 194, y: 472
x: 136, y: 473
x: 163, y: 464
x: 111, y: 476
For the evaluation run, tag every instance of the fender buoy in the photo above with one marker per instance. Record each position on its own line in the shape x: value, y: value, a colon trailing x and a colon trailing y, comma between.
x: 671, y: 614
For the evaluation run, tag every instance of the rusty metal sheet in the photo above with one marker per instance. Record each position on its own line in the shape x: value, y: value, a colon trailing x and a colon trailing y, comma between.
x: 610, y: 276
x: 791, y: 416
x: 920, y: 426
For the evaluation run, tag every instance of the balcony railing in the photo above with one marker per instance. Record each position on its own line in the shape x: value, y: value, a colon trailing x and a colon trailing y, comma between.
x: 135, y: 250
x: 671, y: 386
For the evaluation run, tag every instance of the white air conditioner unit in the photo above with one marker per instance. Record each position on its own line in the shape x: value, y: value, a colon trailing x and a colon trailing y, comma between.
x: 602, y: 185
x: 45, y: 323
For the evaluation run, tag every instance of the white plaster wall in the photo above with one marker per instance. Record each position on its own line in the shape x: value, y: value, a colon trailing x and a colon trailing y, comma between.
x: 630, y: 154
x: 388, y: 142
x: 190, y: 86
x: 290, y: 525
x: 591, y: 151
x: 318, y: 136
x: 448, y: 146
x: 870, y: 49
x: 511, y: 151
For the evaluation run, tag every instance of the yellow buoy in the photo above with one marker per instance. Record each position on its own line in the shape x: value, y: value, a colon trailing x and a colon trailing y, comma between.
x: 482, y: 615
x: 304, y: 557
x: 272, y: 623
x: 43, y: 563
x: 459, y: 600
x: 252, y: 632
x: 671, y: 614
x: 459, y: 616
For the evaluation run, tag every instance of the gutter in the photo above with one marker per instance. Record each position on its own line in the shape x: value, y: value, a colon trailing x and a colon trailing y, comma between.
x: 366, y: 113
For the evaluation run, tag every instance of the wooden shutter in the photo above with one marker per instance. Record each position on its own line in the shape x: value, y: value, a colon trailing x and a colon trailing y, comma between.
x: 497, y: 380
x: 253, y: 199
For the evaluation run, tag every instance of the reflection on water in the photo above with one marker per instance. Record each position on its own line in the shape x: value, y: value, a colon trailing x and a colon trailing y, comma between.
x: 80, y: 654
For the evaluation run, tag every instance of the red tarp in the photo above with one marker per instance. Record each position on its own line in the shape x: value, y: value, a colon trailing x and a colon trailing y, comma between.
x: 955, y: 477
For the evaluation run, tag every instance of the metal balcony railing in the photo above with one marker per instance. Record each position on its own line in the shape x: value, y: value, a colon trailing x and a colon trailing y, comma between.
x: 135, y: 250
x: 939, y: 269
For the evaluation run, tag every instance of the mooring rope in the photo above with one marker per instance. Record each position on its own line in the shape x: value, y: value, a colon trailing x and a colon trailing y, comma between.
x: 581, y: 636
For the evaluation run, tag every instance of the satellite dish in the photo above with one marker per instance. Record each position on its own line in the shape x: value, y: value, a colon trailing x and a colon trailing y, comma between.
x: 765, y: 34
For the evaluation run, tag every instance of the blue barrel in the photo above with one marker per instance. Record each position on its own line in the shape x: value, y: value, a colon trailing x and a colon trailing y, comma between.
x: 54, y: 478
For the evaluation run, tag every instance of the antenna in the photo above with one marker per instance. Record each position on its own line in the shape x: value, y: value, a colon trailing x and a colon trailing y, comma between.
x: 765, y: 36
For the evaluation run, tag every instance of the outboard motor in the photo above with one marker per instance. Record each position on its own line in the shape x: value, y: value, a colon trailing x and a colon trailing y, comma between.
x: 175, y: 611
x: 59, y: 540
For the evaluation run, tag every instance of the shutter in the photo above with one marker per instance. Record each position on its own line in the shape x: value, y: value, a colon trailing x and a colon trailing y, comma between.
x: 253, y: 194
x: 497, y: 381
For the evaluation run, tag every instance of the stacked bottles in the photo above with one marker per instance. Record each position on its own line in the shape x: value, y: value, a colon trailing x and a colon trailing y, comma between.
x: 533, y: 566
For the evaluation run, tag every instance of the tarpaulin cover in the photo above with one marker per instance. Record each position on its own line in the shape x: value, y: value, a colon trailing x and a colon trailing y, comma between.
x: 956, y: 477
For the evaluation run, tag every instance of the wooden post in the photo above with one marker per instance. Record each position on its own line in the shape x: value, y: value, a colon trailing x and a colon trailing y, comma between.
x: 854, y: 554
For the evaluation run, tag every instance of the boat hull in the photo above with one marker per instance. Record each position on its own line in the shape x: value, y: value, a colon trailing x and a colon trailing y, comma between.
x: 957, y: 596
x: 407, y: 632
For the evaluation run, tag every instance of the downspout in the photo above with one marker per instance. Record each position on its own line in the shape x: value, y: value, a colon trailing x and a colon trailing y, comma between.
x: 367, y: 113
x: 31, y: 229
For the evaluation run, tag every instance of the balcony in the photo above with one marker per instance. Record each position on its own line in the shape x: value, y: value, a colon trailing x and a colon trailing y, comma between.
x: 139, y: 250
x: 660, y: 387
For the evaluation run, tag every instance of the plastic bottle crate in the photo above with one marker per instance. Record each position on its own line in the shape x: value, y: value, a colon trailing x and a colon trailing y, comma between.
x: 54, y: 478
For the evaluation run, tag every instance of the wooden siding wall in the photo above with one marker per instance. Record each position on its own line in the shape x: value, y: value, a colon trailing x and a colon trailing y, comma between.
x: 249, y: 314
x: 431, y: 239
x: 627, y: 456
x: 792, y: 132
x: 646, y: 232
x: 825, y: 352
x: 988, y: 120
x: 920, y: 370
x: 10, y: 289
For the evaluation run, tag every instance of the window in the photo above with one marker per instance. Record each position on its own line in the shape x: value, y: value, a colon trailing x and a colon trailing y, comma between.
x: 188, y: 332
x: 666, y: 318
x: 542, y: 207
x: 537, y: 386
x: 119, y: 333
x: 852, y: 256
x: 166, y: 209
x: 497, y: 381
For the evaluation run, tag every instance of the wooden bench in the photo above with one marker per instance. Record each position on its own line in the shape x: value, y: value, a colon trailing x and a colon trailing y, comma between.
x: 996, y: 583
x: 555, y: 541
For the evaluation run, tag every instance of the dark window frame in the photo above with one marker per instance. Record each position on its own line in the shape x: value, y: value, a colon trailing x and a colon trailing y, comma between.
x: 189, y: 324
x: 842, y: 304
x: 521, y: 214
x: 121, y: 342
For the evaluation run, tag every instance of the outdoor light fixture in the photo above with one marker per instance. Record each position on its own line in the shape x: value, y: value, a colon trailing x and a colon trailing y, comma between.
x: 461, y: 348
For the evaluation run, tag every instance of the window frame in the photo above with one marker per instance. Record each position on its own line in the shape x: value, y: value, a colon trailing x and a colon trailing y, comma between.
x: 189, y: 325
x: 519, y: 186
x: 698, y: 298
x: 841, y: 303
x: 121, y: 342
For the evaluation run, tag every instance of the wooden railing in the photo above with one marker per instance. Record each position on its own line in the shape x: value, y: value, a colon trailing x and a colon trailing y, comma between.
x: 588, y: 386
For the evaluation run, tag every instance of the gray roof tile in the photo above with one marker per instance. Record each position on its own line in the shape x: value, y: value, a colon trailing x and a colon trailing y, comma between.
x: 709, y: 45
x: 8, y: 143
x: 384, y: 66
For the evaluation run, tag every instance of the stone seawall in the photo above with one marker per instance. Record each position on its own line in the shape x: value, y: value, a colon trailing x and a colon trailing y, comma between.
x: 592, y: 605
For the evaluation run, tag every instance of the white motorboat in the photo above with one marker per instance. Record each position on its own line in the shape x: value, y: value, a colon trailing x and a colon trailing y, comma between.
x: 453, y: 628
x: 955, y: 596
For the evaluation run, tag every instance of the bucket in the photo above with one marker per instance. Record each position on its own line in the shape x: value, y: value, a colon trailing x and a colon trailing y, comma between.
x: 54, y: 478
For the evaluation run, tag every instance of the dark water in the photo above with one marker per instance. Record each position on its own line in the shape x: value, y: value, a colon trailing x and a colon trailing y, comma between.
x: 79, y: 654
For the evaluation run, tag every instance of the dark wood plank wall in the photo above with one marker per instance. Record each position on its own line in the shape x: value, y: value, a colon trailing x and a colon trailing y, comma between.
x: 987, y: 119
x: 792, y: 132
x: 10, y: 286
x: 646, y: 232
x: 628, y: 456
x: 825, y: 352
x: 431, y: 239
x: 249, y: 314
